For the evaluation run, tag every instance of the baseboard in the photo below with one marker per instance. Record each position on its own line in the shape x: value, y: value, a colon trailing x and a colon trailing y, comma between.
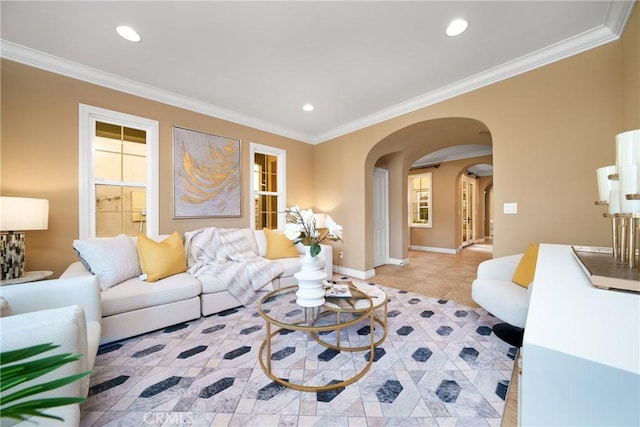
x: 433, y: 249
x: 358, y: 274
x: 398, y: 261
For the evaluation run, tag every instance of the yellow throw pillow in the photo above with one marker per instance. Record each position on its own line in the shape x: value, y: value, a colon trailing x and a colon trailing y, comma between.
x: 526, y: 269
x: 161, y: 259
x: 278, y: 245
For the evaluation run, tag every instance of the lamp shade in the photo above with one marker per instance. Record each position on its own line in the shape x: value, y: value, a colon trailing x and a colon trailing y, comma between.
x: 22, y: 214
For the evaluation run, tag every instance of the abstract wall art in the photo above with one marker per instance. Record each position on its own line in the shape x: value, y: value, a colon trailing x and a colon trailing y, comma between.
x: 206, y: 175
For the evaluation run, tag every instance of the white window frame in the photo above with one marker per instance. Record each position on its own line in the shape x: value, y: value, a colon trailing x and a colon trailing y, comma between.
x: 410, y: 179
x: 89, y: 115
x: 282, y: 180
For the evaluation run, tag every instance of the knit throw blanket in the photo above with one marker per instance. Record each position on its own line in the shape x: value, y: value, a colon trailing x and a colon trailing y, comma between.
x: 227, y: 256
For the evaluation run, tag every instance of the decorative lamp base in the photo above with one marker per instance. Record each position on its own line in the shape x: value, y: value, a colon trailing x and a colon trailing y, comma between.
x: 12, y: 255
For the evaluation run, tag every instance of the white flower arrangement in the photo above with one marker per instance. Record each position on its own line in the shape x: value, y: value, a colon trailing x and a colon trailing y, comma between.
x: 302, y: 228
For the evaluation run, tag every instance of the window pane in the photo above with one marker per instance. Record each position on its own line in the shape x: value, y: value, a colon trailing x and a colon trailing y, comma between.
x: 134, y: 135
x: 108, y: 144
x: 120, y: 210
x: 134, y: 168
x: 108, y: 224
x: 415, y: 184
x: 108, y: 166
x: 134, y: 148
x: 108, y: 210
x: 134, y: 210
x: 266, y: 212
x: 107, y: 130
x: 420, y: 198
x: 267, y: 168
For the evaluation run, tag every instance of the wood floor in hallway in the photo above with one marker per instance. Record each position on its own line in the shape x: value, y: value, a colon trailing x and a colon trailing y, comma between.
x: 438, y: 275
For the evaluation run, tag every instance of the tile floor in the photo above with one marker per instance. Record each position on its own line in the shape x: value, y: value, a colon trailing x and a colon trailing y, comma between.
x: 438, y: 275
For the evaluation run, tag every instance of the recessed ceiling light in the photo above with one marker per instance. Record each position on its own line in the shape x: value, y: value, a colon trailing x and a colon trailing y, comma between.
x: 307, y: 107
x: 457, y: 27
x: 128, y: 33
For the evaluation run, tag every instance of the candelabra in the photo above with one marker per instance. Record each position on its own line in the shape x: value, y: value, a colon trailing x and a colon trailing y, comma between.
x: 619, y: 189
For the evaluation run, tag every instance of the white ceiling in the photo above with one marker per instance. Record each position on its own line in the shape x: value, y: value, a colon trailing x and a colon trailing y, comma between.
x: 458, y: 152
x: 257, y: 63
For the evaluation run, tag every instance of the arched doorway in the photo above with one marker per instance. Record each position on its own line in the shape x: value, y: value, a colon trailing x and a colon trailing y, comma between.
x: 398, y: 154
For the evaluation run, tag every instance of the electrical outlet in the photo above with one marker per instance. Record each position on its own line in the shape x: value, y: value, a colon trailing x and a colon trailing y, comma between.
x: 341, y: 255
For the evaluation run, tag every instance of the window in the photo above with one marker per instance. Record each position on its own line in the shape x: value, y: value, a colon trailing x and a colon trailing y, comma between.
x: 420, y: 206
x: 267, y: 187
x: 118, y: 174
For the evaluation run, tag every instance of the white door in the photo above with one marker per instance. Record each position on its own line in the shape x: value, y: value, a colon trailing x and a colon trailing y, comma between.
x: 467, y: 209
x: 380, y: 217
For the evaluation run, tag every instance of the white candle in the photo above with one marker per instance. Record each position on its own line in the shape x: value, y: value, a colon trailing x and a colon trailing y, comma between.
x: 638, y: 166
x: 628, y: 185
x: 614, y: 198
x: 604, y: 185
x: 628, y: 148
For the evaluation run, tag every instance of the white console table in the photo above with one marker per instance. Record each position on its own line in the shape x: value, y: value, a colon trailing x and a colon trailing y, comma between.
x: 581, y: 349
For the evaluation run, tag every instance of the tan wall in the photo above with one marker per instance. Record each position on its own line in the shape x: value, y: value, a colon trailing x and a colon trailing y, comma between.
x: 551, y: 128
x: 39, y: 155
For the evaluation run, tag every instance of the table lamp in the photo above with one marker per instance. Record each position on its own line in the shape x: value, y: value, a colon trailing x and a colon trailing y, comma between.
x: 19, y: 214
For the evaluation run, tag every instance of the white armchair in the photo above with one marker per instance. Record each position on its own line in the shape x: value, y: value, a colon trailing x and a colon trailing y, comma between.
x: 65, y: 312
x: 494, y: 290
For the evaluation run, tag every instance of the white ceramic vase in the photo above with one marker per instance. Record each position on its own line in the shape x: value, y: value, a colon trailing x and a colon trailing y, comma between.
x: 310, y: 292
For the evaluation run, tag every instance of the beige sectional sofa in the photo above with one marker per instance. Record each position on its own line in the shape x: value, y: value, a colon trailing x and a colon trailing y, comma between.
x: 134, y: 306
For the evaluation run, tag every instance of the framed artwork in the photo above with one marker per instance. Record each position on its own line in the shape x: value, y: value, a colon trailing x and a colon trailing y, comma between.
x: 206, y: 175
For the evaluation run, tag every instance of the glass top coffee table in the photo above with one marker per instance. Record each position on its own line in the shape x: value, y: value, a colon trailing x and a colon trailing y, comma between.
x: 327, y: 325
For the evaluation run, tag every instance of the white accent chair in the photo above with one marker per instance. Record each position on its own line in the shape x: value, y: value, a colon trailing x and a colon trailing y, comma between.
x: 64, y: 312
x: 494, y: 291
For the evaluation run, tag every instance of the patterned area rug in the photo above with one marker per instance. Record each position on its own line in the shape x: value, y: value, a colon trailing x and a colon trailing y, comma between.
x: 440, y: 365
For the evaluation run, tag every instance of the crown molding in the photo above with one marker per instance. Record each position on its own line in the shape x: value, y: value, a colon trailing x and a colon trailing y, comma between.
x: 44, y: 61
x: 617, y: 16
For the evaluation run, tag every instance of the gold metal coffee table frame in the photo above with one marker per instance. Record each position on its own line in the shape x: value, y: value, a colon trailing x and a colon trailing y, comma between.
x: 310, y: 325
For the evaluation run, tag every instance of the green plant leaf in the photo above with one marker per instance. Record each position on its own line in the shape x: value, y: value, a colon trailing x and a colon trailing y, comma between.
x: 315, y: 249
x: 41, y: 388
x: 16, y: 374
x: 15, y: 371
x: 33, y: 407
x: 11, y: 356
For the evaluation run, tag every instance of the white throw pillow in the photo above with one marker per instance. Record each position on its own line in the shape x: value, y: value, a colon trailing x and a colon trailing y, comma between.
x: 112, y: 259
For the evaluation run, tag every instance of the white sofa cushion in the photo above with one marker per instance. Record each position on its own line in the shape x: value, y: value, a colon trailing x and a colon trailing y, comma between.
x: 134, y: 294
x: 290, y: 266
x: 210, y: 285
x: 112, y: 259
